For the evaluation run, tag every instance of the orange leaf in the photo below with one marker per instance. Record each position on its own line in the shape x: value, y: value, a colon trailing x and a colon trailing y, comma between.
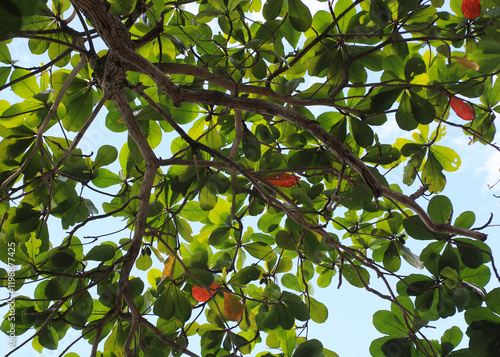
x: 233, y: 309
x: 169, y: 267
x: 471, y: 9
x: 201, y: 294
x: 467, y: 63
x: 282, y: 180
x: 463, y: 110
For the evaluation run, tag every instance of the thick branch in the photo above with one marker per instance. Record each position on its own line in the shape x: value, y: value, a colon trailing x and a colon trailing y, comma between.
x: 331, y: 142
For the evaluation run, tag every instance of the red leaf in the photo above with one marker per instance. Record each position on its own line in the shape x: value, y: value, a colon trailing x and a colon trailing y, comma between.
x: 233, y: 309
x: 282, y: 180
x: 471, y: 9
x: 462, y: 109
x: 201, y: 294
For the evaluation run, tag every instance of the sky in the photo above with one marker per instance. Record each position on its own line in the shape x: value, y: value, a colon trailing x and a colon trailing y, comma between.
x: 349, y: 330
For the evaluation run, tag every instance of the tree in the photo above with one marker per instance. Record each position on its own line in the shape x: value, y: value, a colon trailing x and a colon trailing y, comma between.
x: 276, y: 180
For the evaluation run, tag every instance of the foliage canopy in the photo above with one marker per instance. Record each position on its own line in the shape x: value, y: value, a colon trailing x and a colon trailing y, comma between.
x: 275, y: 181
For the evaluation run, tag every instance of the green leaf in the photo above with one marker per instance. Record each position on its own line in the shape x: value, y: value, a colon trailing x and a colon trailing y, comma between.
x: 245, y: 275
x: 404, y: 115
x: 106, y: 155
x: 63, y: 258
x: 380, y: 13
x: 82, y: 308
x: 79, y: 109
x: 4, y: 74
x: 211, y: 339
x: 447, y: 157
x: 422, y: 110
x: 185, y: 113
x: 414, y: 285
x: 450, y: 339
x: 259, y: 250
x: 144, y: 262
x: 318, y: 311
x: 310, y: 348
x: 106, y: 178
x: 410, y: 257
x: 218, y: 236
x: 299, y: 15
x: 251, y: 148
x: 416, y: 228
x: 33, y: 247
x: 388, y: 323
x: 432, y: 174
x: 413, y: 67
x: 440, y: 209
x: 392, y: 261
x: 411, y: 169
x: 483, y: 338
x: 290, y: 281
x: 286, y: 317
x: 49, y: 338
x: 172, y: 302
x: 208, y: 198
x: 381, y: 154
x: 465, y: 220
x: 426, y: 304
x: 272, y: 318
x: 121, y: 7
x: 288, y: 341
x: 394, y: 64
x: 272, y: 9
x: 5, y: 54
x: 351, y: 275
x: 471, y: 256
x: 26, y: 88
x: 493, y: 300
x: 384, y: 99
x: 54, y: 290
x: 449, y: 259
x: 363, y: 133
x: 114, y: 342
x: 102, y: 252
x: 296, y: 305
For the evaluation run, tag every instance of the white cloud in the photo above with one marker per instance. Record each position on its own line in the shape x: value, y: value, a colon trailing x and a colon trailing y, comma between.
x: 490, y: 170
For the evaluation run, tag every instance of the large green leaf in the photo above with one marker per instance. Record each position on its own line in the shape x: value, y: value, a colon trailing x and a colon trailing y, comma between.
x: 440, y: 209
x: 380, y: 13
x: 362, y: 132
x: 259, y: 250
x: 388, y: 323
x: 101, y: 252
x: 26, y: 88
x: 432, y: 174
x: 272, y: 9
x: 310, y: 348
x: 300, y: 16
x: 404, y: 114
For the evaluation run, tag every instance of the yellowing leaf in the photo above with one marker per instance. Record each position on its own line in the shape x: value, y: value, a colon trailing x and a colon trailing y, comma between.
x: 233, y: 309
x: 169, y: 267
x: 467, y: 63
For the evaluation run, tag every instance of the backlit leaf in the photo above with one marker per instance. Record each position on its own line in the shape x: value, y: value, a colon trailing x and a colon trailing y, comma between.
x: 233, y: 309
x: 282, y: 180
x: 462, y: 109
x: 300, y: 16
x: 201, y: 294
